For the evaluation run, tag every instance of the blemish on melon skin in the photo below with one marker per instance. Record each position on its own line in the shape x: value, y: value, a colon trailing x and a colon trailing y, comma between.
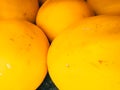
x: 25, y: 14
x: 28, y: 62
x: 99, y: 64
x: 29, y: 45
x: 67, y: 65
x: 31, y: 37
x: 11, y: 39
x: 100, y: 61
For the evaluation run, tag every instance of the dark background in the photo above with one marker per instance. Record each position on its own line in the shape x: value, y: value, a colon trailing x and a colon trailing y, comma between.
x: 47, y: 84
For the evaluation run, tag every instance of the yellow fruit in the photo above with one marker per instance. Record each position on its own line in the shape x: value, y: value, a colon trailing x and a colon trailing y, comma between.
x: 23, y: 50
x: 87, y: 56
x: 42, y: 1
x: 111, y: 7
x: 54, y: 16
x: 19, y: 9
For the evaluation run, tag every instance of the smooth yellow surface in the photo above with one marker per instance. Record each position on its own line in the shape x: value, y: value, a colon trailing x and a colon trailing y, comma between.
x: 111, y: 7
x: 19, y: 9
x: 23, y: 49
x: 56, y: 15
x: 87, y: 56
